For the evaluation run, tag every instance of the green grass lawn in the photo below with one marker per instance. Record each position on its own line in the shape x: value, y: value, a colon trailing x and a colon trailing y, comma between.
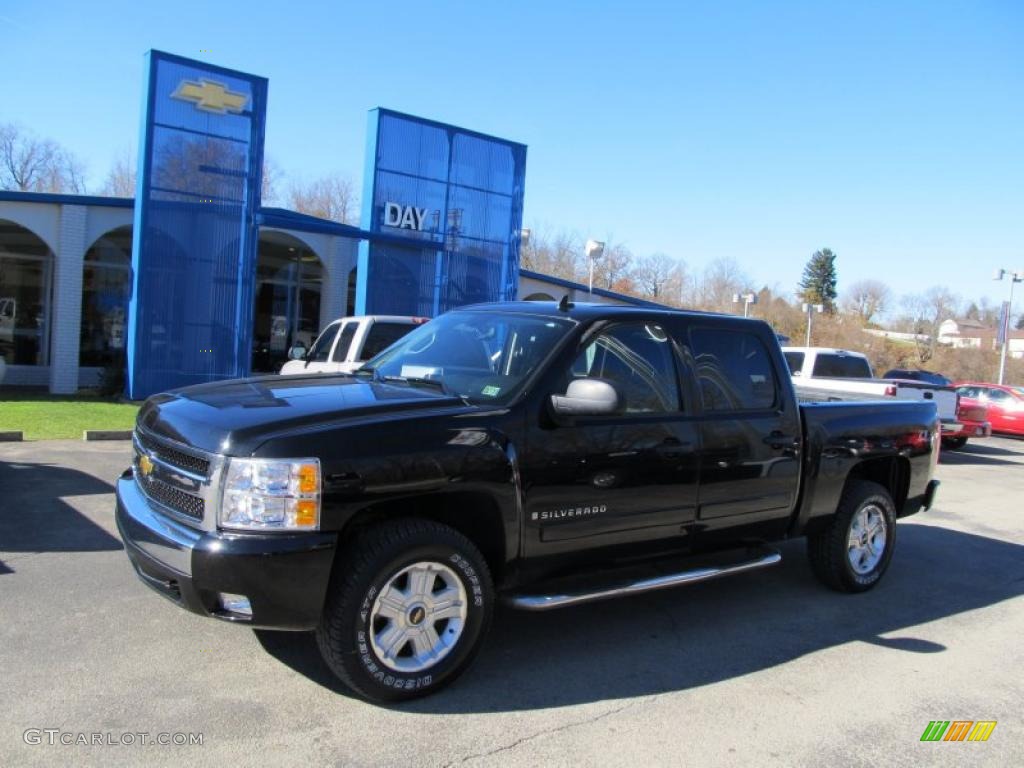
x: 51, y: 417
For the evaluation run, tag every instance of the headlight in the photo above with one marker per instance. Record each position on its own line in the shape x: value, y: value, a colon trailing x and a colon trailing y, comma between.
x: 264, y: 494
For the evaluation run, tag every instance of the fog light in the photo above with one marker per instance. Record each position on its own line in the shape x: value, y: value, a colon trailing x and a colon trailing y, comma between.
x: 235, y: 603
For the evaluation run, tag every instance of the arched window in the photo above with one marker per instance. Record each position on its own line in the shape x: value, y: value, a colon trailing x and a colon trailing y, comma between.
x: 26, y: 265
x: 289, y: 280
x: 539, y: 297
x: 105, y: 287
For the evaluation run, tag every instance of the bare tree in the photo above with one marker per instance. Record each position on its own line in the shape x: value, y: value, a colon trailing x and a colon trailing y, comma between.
x: 613, y: 270
x: 31, y: 164
x: 555, y: 255
x: 927, y: 312
x: 121, y: 178
x: 723, y: 277
x: 655, y: 273
x: 330, y: 197
x: 868, y: 298
x: 269, y: 181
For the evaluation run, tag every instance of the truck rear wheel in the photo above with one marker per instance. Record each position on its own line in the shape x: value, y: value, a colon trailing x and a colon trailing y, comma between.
x: 954, y: 443
x: 853, y: 552
x: 408, y: 607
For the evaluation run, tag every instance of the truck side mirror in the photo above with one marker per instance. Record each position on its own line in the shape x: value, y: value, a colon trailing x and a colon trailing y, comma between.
x: 586, y: 397
x: 297, y: 352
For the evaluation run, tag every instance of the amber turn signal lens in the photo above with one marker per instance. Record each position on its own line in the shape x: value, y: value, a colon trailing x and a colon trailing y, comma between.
x: 306, y: 513
x: 309, y: 478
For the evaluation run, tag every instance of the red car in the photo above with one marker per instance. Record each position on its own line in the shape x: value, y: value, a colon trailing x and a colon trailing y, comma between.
x: 1005, y: 404
x: 972, y: 415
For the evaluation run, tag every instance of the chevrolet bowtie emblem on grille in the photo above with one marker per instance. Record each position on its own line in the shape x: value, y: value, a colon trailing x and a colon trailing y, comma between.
x: 145, y: 465
x: 211, y: 96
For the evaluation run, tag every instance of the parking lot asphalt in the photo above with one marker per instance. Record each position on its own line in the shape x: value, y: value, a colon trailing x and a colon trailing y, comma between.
x: 767, y: 668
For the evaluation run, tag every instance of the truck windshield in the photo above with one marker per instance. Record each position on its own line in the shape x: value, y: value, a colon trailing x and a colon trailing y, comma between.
x: 484, y: 357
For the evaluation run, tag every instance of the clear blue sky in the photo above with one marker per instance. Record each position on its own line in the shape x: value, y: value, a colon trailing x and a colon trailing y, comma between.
x: 891, y: 132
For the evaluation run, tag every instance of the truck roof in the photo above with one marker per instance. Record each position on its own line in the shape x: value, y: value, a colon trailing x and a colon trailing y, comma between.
x: 825, y: 350
x: 590, y: 311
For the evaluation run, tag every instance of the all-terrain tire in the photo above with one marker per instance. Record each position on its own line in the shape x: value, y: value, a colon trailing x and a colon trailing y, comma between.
x: 373, y: 565
x: 835, y: 560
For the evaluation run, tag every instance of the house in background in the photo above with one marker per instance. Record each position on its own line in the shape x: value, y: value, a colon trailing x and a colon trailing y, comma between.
x: 973, y: 334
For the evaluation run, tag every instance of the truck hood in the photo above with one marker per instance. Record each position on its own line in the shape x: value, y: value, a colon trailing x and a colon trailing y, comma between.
x: 234, y: 417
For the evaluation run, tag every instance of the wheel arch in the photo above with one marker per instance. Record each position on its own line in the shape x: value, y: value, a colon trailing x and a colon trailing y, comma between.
x: 474, y: 514
x: 890, y: 472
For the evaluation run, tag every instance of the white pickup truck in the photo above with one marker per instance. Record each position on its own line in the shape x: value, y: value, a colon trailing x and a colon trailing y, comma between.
x: 825, y: 373
x: 347, y: 343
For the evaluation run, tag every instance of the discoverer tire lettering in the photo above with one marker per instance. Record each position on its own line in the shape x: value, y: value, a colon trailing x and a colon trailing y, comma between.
x: 402, y: 549
x: 830, y: 551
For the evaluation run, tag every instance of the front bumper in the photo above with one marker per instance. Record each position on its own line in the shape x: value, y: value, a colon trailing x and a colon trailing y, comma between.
x: 284, y: 576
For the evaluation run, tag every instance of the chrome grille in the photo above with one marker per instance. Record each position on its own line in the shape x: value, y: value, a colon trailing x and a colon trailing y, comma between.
x: 173, y: 456
x: 175, y: 479
x: 173, y: 498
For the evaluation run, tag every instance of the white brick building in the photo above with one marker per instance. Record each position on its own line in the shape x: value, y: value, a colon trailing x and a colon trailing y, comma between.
x: 65, y: 271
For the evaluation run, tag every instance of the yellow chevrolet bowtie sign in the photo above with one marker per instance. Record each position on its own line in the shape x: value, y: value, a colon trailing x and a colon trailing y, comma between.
x: 211, y: 96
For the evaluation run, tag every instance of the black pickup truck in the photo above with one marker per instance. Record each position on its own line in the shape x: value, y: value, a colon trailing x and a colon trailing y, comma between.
x: 537, y: 453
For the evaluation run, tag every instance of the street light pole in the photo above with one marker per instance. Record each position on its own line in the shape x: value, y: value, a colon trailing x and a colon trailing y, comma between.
x: 747, y: 298
x: 594, y: 250
x: 1004, y: 329
x: 810, y: 309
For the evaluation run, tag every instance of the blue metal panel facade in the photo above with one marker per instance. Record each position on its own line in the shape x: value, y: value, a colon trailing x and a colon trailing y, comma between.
x: 194, y: 239
x: 446, y: 205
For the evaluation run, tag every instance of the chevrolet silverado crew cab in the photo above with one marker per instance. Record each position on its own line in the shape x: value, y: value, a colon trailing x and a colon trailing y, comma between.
x: 541, y: 454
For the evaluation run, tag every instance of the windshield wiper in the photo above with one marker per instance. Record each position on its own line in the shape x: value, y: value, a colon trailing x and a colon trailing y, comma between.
x: 436, y: 383
x: 368, y: 369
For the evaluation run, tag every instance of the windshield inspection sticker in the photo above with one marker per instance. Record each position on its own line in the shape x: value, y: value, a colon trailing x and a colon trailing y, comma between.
x: 490, y: 390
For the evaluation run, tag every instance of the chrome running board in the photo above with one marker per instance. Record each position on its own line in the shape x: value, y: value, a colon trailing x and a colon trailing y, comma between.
x: 567, y: 598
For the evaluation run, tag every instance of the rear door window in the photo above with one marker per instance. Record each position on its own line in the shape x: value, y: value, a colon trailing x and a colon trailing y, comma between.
x: 998, y: 396
x: 734, y: 370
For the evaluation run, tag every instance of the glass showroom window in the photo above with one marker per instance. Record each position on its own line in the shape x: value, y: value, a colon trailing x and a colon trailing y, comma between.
x: 289, y: 282
x: 26, y: 264
x: 105, y: 298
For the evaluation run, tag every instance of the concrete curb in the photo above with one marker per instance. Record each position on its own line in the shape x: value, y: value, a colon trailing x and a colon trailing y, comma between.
x: 107, y: 434
x: 12, y: 437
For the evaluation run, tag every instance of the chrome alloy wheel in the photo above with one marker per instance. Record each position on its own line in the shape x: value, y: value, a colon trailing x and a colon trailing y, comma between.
x: 866, y: 543
x: 418, y: 617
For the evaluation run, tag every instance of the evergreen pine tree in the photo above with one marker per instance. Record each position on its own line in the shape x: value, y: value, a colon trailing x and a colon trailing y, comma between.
x: 818, y: 285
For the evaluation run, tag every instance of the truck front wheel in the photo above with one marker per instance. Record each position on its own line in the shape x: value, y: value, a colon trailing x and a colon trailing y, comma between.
x: 408, y: 607
x: 852, y: 553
